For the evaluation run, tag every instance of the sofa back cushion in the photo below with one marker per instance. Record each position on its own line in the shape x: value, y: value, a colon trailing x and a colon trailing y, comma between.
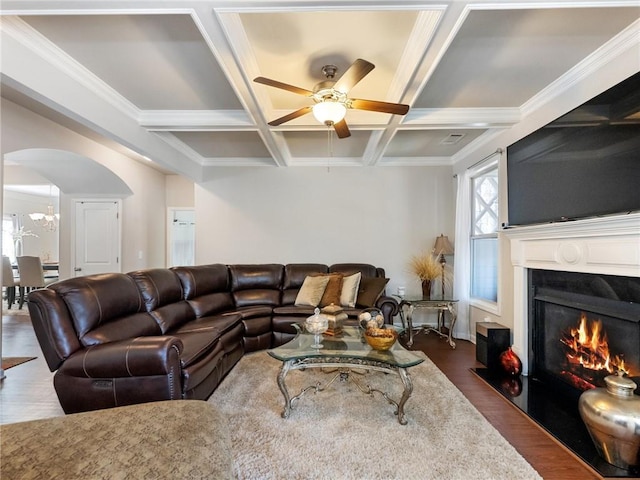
x: 163, y: 298
x: 206, y: 288
x: 365, y: 269
x: 256, y: 284
x: 105, y: 308
x: 294, y: 275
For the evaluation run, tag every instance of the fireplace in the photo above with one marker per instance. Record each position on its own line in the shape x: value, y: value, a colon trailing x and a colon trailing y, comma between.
x: 573, y: 281
x: 583, y: 327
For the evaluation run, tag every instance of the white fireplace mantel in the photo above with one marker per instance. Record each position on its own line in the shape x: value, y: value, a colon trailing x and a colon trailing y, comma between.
x: 605, y: 245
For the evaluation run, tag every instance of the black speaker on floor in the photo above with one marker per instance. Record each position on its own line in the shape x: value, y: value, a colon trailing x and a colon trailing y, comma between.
x: 491, y: 340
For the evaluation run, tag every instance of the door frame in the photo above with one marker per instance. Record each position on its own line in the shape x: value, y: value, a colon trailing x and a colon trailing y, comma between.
x: 73, y: 224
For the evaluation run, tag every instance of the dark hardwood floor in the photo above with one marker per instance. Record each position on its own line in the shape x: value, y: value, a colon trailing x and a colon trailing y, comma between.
x: 27, y: 394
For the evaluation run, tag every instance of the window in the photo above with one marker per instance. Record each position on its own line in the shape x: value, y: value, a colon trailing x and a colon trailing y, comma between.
x: 8, y: 231
x: 484, y: 235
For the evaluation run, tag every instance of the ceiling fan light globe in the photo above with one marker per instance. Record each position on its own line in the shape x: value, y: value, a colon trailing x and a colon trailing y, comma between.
x: 328, y: 112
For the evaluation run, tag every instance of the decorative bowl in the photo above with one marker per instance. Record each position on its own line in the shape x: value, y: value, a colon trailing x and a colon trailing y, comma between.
x: 380, y: 338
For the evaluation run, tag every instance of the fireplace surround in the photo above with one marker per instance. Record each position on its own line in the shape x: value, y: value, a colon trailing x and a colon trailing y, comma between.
x: 607, y: 250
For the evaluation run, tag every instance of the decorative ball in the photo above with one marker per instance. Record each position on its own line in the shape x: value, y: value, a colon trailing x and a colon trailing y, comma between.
x: 510, y: 363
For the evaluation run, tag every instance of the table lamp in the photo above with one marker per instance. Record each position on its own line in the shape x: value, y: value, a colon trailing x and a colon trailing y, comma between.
x: 442, y: 247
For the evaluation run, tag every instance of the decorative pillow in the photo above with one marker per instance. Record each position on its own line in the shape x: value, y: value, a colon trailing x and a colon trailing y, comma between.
x: 370, y: 290
x: 311, y: 291
x: 349, y: 291
x: 333, y: 290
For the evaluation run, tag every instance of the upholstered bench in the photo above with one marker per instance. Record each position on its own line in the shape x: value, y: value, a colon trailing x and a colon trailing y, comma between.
x: 185, y: 439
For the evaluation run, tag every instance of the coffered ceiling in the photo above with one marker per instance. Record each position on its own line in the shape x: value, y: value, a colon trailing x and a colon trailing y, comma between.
x: 173, y: 80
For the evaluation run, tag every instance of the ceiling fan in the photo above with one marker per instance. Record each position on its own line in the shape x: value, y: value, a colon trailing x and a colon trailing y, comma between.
x: 331, y: 100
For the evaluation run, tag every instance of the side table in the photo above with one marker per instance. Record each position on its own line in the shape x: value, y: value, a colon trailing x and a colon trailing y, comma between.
x: 442, y: 306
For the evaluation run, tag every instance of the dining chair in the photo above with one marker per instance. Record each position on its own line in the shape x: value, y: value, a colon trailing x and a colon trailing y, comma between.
x: 31, y: 275
x: 9, y: 282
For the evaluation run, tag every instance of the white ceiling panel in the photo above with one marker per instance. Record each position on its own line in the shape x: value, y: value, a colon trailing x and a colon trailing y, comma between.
x: 318, y: 145
x: 433, y: 143
x: 157, y: 62
x: 501, y: 58
x: 225, y: 144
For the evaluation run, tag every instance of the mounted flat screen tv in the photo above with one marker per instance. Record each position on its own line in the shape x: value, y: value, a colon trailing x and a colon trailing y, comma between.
x: 584, y: 164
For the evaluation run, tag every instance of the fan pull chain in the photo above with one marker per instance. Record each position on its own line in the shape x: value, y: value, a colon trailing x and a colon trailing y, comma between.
x: 330, y: 142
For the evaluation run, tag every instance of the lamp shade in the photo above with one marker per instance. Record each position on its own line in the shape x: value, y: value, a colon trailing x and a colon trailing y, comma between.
x: 443, y: 246
x: 329, y: 112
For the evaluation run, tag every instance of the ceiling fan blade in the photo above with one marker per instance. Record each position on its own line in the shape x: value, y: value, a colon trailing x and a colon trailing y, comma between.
x: 384, y: 107
x: 342, y: 129
x: 356, y: 72
x: 283, y: 86
x: 290, y: 116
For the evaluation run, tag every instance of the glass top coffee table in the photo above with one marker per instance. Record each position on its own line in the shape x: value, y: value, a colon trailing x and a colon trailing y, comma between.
x: 342, y: 354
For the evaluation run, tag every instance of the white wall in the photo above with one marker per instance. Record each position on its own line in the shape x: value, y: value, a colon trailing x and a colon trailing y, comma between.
x: 379, y: 215
x: 143, y: 213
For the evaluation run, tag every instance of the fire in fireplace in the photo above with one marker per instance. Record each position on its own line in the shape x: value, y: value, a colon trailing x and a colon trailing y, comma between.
x: 588, y: 358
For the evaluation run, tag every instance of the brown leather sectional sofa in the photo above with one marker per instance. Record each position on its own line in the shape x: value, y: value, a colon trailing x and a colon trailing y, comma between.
x: 162, y: 334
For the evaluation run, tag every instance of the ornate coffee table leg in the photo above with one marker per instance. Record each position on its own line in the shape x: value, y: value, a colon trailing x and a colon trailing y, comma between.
x: 408, y: 388
x: 286, y: 366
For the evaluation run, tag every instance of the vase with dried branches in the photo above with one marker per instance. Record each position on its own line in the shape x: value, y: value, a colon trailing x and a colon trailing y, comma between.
x: 427, y: 268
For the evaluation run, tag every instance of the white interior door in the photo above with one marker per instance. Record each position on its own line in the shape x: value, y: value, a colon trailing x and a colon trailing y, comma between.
x: 181, y: 231
x: 97, y: 237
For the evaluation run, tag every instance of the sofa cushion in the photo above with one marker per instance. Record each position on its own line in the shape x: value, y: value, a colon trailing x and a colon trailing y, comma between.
x: 365, y: 269
x: 162, y: 294
x: 256, y: 284
x: 266, y: 276
x: 158, y: 287
x: 219, y: 324
x: 97, y: 300
x: 312, y: 291
x: 203, y: 279
x: 252, y: 312
x: 130, y: 326
x: 370, y: 290
x: 295, y: 273
x: 206, y: 288
x: 349, y: 291
x: 195, y: 345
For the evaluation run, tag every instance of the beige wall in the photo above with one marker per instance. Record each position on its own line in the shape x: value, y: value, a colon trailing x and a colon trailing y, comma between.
x: 377, y: 215
x: 180, y: 192
x: 143, y: 213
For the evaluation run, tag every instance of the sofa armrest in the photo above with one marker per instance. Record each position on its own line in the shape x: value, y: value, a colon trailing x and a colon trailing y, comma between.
x: 389, y: 307
x: 136, y: 357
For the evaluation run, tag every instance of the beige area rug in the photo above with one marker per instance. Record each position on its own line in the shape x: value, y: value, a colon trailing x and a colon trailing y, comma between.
x: 343, y: 433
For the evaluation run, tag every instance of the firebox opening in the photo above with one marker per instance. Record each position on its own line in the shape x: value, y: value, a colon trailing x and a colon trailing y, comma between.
x: 583, y: 328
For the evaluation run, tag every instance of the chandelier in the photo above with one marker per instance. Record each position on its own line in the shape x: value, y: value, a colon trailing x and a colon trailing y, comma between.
x: 47, y: 221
